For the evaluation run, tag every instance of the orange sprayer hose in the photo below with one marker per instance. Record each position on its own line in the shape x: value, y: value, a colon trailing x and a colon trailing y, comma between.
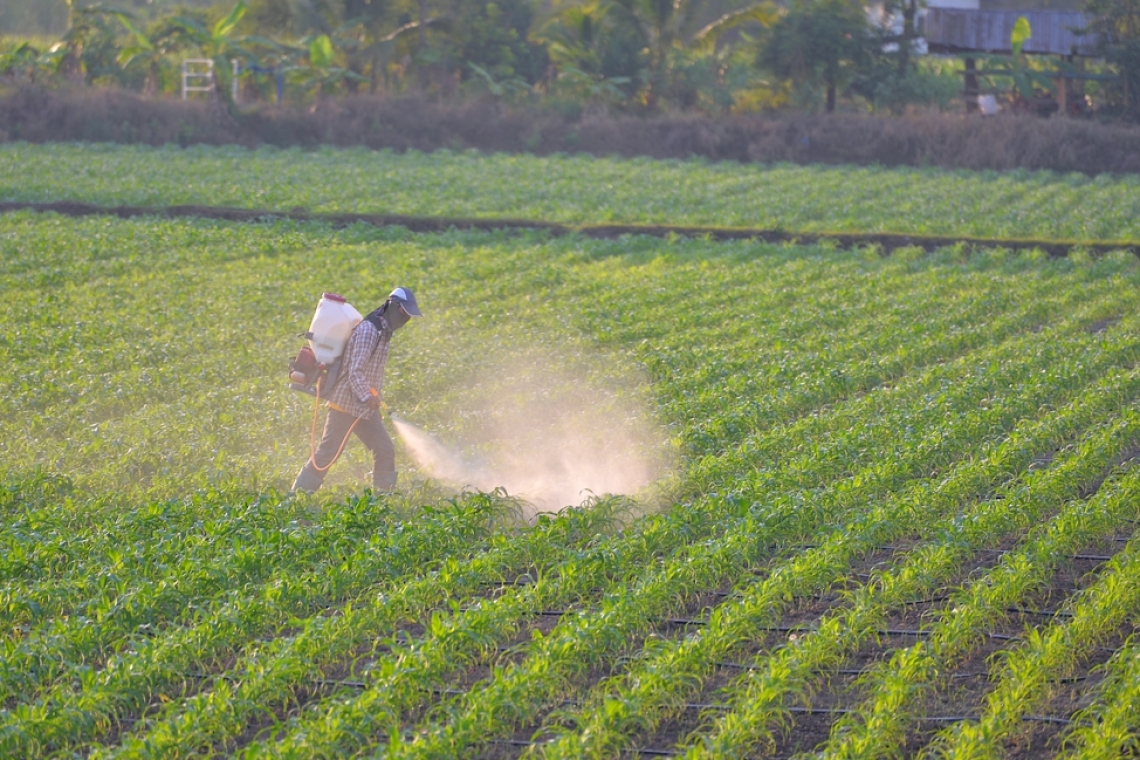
x: 313, y: 433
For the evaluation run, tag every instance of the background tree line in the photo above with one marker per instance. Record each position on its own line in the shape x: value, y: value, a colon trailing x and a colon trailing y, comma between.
x: 708, y: 56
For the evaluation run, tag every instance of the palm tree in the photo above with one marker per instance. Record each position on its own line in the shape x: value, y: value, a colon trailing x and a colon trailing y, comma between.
x: 659, y: 25
x: 664, y: 25
x: 573, y: 36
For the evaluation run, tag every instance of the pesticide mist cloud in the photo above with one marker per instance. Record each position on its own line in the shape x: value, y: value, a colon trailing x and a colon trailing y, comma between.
x: 546, y: 436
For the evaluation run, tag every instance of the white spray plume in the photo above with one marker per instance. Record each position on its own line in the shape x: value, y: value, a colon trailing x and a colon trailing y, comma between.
x: 551, y: 440
x: 436, y: 458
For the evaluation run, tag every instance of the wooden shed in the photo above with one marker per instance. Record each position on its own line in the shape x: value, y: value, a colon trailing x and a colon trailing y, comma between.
x: 962, y: 31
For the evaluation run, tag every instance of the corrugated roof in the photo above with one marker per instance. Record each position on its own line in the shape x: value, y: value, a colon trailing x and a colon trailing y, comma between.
x: 958, y: 30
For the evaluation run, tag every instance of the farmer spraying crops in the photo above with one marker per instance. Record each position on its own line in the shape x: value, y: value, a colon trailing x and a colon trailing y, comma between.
x: 354, y: 396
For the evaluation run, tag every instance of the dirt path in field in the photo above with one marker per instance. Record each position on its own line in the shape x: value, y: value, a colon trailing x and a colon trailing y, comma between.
x: 885, y: 243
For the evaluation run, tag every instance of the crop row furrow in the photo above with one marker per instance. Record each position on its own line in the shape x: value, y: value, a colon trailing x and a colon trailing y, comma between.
x: 885, y: 419
x: 648, y: 693
x: 1110, y: 725
x: 796, y: 295
x: 760, y: 700
x: 1057, y: 651
x: 880, y: 726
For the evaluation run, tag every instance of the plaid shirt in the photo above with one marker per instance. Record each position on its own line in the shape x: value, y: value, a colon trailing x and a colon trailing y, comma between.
x: 361, y: 369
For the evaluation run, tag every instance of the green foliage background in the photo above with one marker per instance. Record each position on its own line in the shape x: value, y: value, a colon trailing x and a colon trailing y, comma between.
x: 638, y: 55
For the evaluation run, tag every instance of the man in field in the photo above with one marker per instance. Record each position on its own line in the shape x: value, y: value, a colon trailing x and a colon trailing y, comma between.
x: 354, y: 401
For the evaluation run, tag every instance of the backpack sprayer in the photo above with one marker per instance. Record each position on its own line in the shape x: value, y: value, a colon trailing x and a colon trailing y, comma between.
x: 315, y: 368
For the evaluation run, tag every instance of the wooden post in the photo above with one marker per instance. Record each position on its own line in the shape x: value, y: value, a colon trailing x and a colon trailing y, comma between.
x: 1076, y: 89
x: 970, y: 89
x: 1062, y: 95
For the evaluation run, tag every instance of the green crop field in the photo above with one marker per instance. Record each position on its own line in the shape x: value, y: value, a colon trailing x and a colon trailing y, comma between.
x: 583, y: 190
x: 825, y: 502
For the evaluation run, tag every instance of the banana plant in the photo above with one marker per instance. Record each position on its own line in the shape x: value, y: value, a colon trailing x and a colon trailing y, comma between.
x: 382, y: 48
x: 23, y: 61
x: 216, y: 42
x: 663, y: 25
x: 84, y: 23
x: 763, y: 13
x: 1026, y: 81
x: 592, y: 87
x: 147, y: 51
x: 322, y: 72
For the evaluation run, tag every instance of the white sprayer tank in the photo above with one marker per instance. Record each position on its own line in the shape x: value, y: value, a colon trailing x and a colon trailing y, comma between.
x: 332, y: 324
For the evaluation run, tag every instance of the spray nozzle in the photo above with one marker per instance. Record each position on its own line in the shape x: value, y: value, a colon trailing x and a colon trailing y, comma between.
x: 376, y: 395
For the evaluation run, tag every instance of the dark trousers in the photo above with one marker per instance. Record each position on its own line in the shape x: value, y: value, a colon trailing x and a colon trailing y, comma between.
x: 370, y: 430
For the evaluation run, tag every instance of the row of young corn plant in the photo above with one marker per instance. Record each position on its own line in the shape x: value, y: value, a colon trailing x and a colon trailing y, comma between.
x: 758, y: 703
x: 193, y: 545
x: 444, y: 660
x: 41, y: 541
x: 1057, y: 651
x: 66, y: 564
x: 86, y: 698
x: 881, y: 724
x: 267, y: 677
x: 724, y: 394
x: 655, y: 688
x: 520, y: 691
x: 1110, y: 725
x: 49, y: 541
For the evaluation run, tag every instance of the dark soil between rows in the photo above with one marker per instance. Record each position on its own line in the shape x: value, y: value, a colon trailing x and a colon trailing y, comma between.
x: 884, y: 243
x: 960, y: 695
